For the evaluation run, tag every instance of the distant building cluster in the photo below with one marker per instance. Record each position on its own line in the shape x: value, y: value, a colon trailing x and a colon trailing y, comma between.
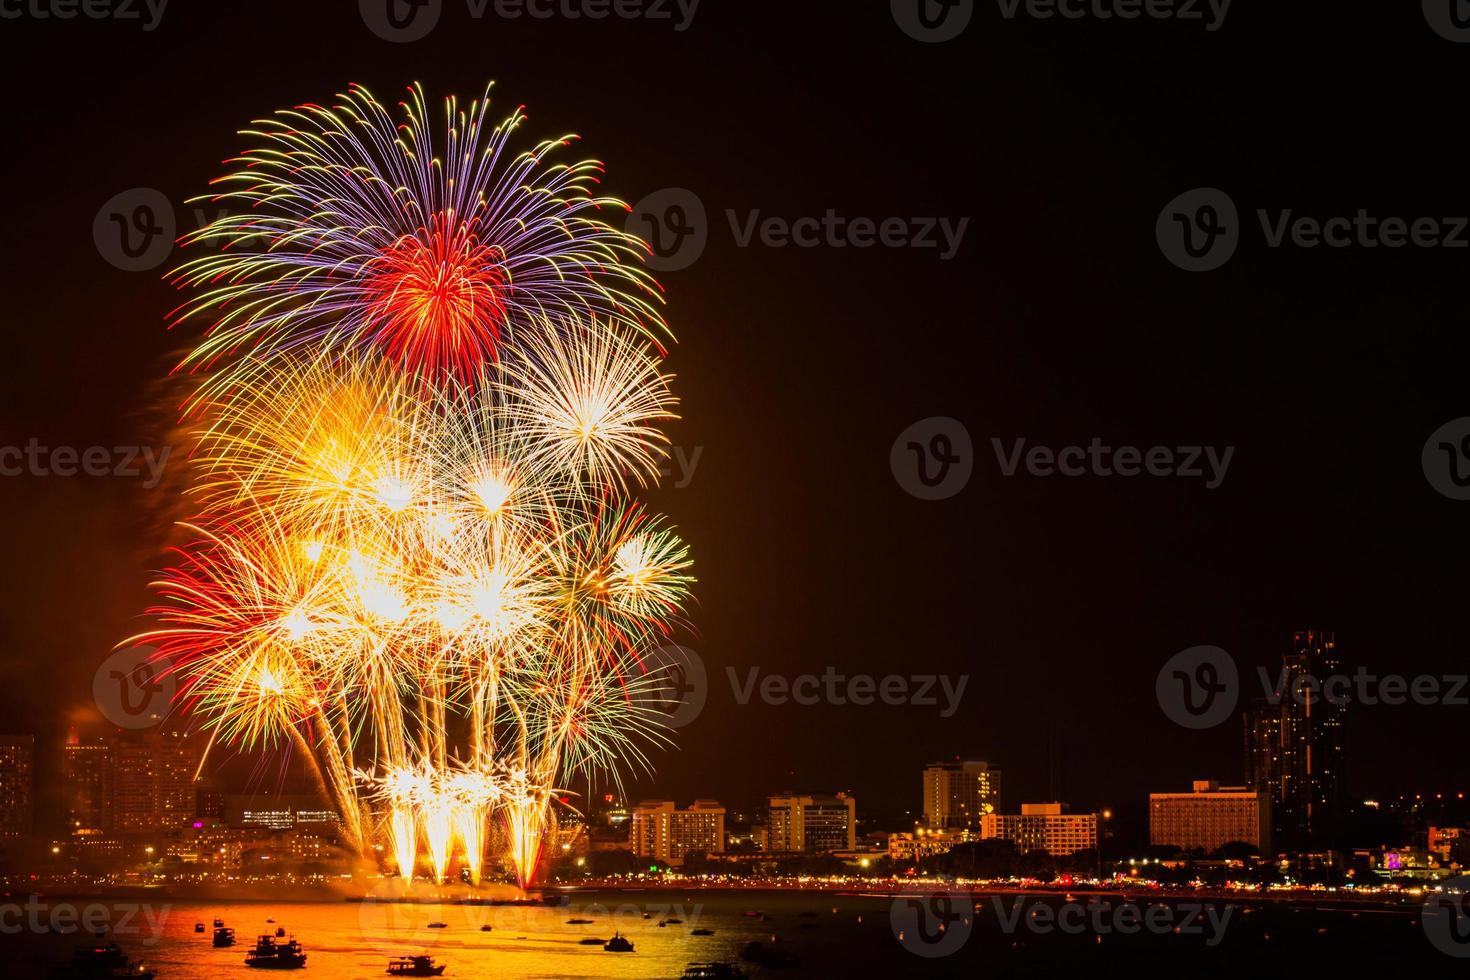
x: 128, y: 784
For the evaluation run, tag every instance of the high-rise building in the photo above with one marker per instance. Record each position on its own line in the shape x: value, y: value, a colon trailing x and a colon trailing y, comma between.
x: 958, y: 794
x: 17, y: 753
x: 665, y: 833
x: 1293, y: 742
x: 816, y: 824
x: 86, y: 776
x: 1043, y: 827
x: 153, y: 782
x: 1209, y: 817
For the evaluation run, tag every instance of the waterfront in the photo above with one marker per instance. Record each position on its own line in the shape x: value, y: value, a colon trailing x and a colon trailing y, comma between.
x: 834, y: 934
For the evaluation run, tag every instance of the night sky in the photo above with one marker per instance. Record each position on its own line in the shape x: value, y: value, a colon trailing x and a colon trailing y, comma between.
x: 1058, y: 320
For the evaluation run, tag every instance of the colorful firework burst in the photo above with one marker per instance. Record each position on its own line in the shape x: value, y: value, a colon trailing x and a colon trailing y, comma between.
x: 432, y: 378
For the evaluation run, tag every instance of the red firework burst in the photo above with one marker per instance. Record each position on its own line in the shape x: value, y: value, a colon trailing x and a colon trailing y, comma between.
x: 438, y: 298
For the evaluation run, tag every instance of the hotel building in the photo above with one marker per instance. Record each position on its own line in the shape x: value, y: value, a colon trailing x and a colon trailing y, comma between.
x: 1209, y: 817
x: 665, y: 833
x: 1043, y: 827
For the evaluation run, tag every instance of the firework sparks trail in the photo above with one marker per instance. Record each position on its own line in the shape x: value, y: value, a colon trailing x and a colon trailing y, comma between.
x: 429, y: 377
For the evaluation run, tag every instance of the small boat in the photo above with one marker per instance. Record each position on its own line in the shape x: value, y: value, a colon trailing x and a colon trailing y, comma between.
x: 648, y: 915
x: 702, y: 932
x: 438, y: 925
x: 199, y: 927
x: 224, y: 937
x: 769, y: 956
x: 718, y: 970
x: 218, y: 923
x: 662, y: 924
x: 102, y: 961
x: 617, y: 944
x: 414, y: 966
x: 591, y: 941
x: 271, y: 955
x: 579, y: 922
x: 270, y: 918
x: 280, y: 932
x: 487, y: 927
x: 674, y: 922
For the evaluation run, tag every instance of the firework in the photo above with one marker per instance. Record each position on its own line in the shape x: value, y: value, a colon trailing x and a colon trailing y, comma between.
x: 433, y: 376
x: 348, y: 229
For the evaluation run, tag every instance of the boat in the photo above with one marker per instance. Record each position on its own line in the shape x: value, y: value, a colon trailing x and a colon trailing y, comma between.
x: 414, y: 966
x: 702, y: 932
x: 218, y: 923
x: 271, y: 955
x: 101, y: 961
x: 718, y: 970
x: 487, y: 927
x: 438, y: 925
x: 769, y: 956
x: 280, y: 932
x: 224, y: 937
x: 591, y: 941
x: 270, y: 919
x: 579, y: 922
x: 674, y: 922
x: 617, y: 944
x: 199, y: 927
x: 648, y: 915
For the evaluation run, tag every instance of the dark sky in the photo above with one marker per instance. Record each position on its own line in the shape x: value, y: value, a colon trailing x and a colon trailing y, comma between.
x: 1059, y: 320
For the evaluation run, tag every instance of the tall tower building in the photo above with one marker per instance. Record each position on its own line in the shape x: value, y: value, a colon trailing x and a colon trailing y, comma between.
x: 960, y: 794
x: 86, y: 777
x: 17, y: 791
x: 1294, y: 742
x: 153, y: 782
